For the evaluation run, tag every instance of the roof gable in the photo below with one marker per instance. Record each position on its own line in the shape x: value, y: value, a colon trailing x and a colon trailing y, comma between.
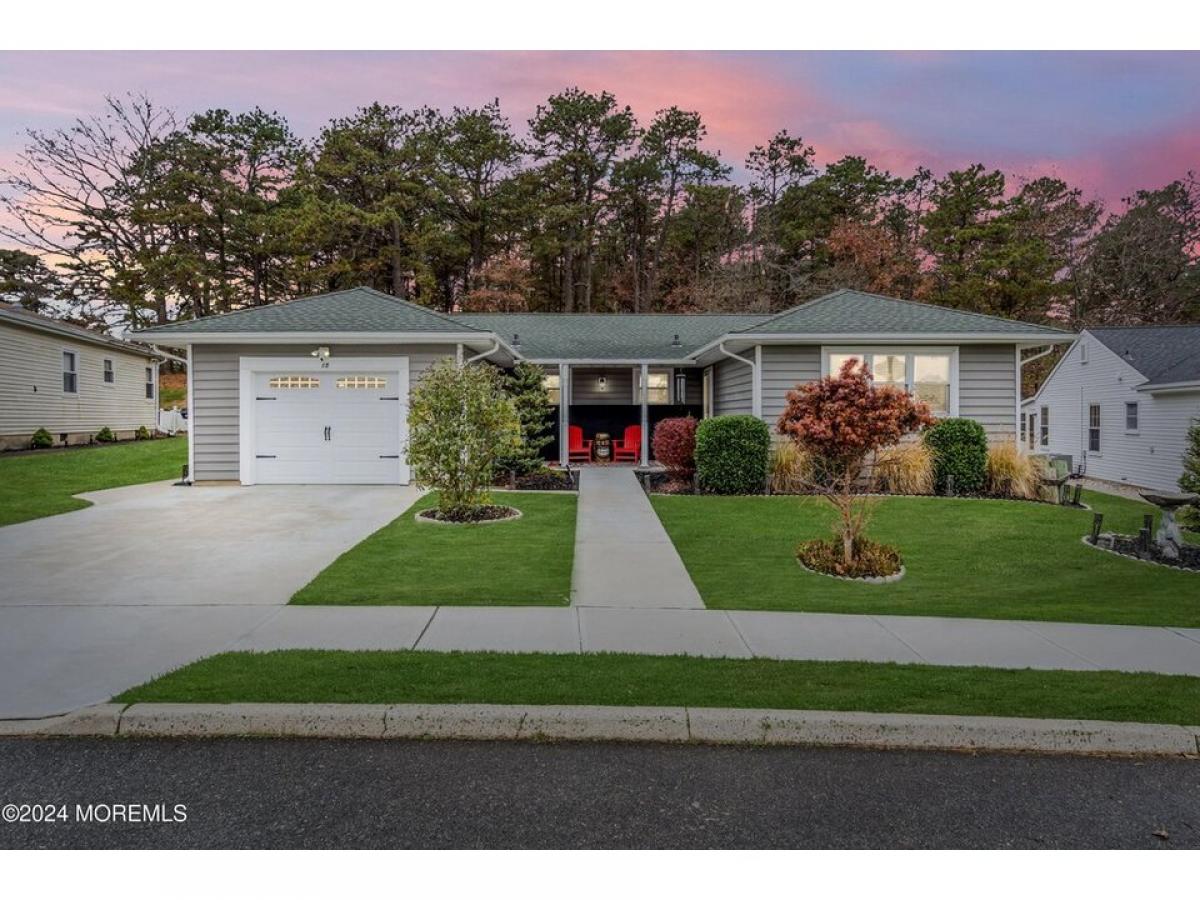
x: 359, y: 309
x: 858, y: 313
x: 1164, y: 354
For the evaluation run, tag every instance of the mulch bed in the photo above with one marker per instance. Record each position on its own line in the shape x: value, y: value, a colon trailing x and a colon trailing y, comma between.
x: 1129, y: 545
x: 471, y: 517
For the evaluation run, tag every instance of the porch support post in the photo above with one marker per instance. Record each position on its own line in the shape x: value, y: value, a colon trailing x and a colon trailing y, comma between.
x: 756, y: 383
x: 564, y: 411
x: 645, y: 414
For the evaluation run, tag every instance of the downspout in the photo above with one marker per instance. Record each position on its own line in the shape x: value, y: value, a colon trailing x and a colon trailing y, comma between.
x: 1020, y: 380
x: 755, y: 385
x: 165, y: 355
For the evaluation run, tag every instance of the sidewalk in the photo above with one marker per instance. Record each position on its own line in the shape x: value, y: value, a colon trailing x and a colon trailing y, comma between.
x: 712, y: 632
x: 623, y: 556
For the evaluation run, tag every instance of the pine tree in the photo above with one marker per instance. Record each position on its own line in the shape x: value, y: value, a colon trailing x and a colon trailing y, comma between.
x: 525, y: 386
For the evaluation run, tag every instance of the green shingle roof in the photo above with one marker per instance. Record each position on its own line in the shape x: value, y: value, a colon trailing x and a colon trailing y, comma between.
x: 356, y: 309
x: 856, y: 312
x: 549, y: 336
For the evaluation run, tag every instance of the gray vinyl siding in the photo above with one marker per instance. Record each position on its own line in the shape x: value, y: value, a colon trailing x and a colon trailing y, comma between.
x: 782, y: 369
x: 585, y: 386
x: 732, y: 389
x: 215, y: 374
x: 987, y: 388
x: 1150, y: 458
x: 31, y: 386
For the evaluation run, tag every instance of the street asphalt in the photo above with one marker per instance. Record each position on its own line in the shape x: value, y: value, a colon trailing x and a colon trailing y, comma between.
x: 314, y: 793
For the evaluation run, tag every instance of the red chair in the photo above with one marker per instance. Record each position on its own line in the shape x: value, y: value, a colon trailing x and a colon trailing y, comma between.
x: 578, y: 450
x: 629, y: 448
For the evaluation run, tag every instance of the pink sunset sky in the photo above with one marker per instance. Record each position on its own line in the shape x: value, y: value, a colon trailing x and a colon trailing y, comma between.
x: 1109, y: 122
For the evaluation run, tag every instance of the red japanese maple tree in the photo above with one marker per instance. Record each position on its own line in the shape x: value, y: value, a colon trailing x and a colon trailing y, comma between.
x: 839, y: 421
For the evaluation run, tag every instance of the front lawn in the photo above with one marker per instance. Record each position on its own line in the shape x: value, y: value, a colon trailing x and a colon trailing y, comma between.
x: 333, y: 676
x: 989, y: 559
x: 522, y: 563
x: 42, y: 484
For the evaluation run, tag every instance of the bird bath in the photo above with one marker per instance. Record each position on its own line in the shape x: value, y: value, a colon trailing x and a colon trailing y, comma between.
x: 1168, y: 537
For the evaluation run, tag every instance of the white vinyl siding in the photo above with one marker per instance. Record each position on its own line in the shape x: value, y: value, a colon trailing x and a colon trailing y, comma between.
x: 214, y: 417
x: 1150, y: 456
x: 31, y: 386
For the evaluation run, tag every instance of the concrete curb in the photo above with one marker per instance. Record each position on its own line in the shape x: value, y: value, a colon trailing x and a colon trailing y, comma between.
x: 815, y: 728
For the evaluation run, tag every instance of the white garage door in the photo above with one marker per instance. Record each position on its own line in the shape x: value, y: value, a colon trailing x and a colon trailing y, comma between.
x: 329, y: 427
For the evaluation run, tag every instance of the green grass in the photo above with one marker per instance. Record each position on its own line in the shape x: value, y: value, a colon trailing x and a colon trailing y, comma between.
x: 522, y: 563
x: 42, y: 484
x: 990, y: 559
x: 333, y: 676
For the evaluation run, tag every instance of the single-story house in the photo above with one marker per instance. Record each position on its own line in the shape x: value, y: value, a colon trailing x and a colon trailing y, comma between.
x: 1119, y: 404
x: 315, y: 390
x: 70, y: 381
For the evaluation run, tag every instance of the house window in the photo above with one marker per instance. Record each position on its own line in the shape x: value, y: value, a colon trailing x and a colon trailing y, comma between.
x: 1094, y: 428
x: 553, y: 386
x: 1131, y: 418
x: 658, y: 388
x: 1032, y: 428
x: 361, y: 382
x: 70, y: 372
x: 1045, y: 423
x: 110, y: 375
x: 149, y: 382
x: 1024, y: 429
x: 926, y: 375
x: 286, y: 382
x: 1083, y: 352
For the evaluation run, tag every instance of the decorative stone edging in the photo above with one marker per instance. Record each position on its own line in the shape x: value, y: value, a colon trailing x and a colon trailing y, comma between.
x: 426, y: 520
x: 675, y: 724
x: 1149, y: 562
x: 862, y: 579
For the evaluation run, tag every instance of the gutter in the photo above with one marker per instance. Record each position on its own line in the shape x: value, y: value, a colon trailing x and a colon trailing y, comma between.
x: 755, y: 380
x: 484, y: 355
x: 165, y: 355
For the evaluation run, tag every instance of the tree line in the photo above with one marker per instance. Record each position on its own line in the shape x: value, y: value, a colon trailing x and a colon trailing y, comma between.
x: 134, y: 216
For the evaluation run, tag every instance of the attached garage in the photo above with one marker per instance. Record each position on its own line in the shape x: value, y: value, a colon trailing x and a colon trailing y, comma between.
x: 336, y: 421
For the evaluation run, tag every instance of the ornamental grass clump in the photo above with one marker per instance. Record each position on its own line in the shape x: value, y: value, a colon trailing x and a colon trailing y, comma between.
x: 905, y: 469
x: 460, y: 423
x: 789, y: 468
x: 1011, y: 473
x: 839, y: 421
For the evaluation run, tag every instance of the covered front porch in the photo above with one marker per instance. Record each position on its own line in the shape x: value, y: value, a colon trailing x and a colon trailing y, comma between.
x: 617, y: 400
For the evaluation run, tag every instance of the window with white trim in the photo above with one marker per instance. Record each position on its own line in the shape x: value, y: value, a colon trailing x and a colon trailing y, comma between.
x: 1024, y: 428
x: 286, y: 382
x: 70, y: 372
x: 110, y: 374
x: 1131, y: 418
x: 1083, y: 352
x: 552, y: 382
x: 658, y: 388
x: 1094, y: 428
x: 149, y: 382
x: 1032, y: 428
x: 1044, y: 422
x: 361, y: 382
x: 926, y: 374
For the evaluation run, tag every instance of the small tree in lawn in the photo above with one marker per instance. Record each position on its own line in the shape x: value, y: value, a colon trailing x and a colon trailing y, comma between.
x: 459, y: 423
x: 1189, y: 481
x: 839, y: 421
x: 525, y: 386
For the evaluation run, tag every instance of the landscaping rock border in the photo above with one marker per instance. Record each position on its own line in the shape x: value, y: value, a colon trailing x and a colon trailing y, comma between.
x: 868, y: 579
x: 1153, y: 562
x: 815, y: 728
x: 423, y: 519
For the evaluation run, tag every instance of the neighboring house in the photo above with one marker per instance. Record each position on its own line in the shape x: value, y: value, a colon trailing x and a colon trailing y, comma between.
x: 70, y: 381
x: 315, y: 390
x: 1119, y: 404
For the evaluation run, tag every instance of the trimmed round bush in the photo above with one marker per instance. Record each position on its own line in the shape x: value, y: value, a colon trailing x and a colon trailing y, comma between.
x: 732, y: 454
x: 960, y: 453
x: 675, y: 445
x: 41, y: 439
x: 105, y: 435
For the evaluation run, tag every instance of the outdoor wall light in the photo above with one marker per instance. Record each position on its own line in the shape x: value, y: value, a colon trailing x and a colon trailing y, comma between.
x: 602, y: 383
x: 321, y: 353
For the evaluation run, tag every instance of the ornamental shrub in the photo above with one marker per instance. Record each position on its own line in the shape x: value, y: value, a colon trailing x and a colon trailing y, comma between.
x: 731, y: 454
x: 142, y: 433
x: 105, y: 436
x: 675, y: 446
x: 41, y: 439
x: 960, y: 453
x: 460, y: 422
x: 525, y: 386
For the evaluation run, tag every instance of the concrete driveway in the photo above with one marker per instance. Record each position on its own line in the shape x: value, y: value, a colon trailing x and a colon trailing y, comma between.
x: 154, y: 576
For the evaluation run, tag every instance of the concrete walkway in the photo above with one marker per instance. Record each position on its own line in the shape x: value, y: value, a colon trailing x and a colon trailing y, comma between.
x: 623, y: 556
